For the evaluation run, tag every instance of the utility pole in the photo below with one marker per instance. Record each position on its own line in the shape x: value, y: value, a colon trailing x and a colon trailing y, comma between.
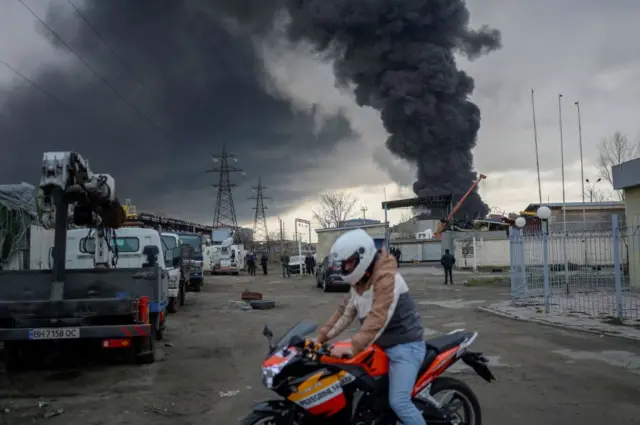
x: 364, y: 215
x: 281, y: 235
x: 260, y: 232
x: 224, y: 215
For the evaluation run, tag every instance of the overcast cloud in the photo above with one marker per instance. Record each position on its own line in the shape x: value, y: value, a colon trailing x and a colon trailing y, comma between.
x: 207, y: 85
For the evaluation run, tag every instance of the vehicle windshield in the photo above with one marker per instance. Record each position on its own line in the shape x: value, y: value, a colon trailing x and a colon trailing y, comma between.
x: 296, y: 258
x: 301, y: 329
x: 194, y: 241
x: 169, y: 242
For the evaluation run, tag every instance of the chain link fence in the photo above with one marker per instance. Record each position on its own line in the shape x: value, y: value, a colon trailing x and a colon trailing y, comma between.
x: 594, y: 270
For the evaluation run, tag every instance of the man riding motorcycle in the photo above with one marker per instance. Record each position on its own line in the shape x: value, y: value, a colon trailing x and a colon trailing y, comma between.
x: 381, y: 301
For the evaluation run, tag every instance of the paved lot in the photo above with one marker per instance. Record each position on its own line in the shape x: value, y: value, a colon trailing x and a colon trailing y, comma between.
x: 545, y: 375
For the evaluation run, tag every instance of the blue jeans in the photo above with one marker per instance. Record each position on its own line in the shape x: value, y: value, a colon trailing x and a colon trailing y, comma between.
x: 404, y: 364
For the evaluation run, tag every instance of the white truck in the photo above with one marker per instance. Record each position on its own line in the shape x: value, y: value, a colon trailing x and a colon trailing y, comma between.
x: 127, y: 249
x: 177, y: 280
x: 228, y: 258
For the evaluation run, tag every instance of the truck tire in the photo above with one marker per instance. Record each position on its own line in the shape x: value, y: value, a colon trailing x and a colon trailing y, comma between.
x: 172, y: 307
x: 235, y: 273
x: 262, y: 304
x: 145, y: 348
x: 159, y: 327
x: 197, y: 286
x: 182, y: 294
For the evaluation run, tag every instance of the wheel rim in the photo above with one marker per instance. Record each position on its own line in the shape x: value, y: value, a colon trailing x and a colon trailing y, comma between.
x: 448, y: 398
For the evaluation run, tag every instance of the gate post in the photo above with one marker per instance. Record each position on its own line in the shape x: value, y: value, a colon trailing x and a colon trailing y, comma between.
x: 618, y: 307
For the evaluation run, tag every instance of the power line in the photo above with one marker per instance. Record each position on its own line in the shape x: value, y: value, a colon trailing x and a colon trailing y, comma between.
x: 107, y: 45
x: 113, y: 89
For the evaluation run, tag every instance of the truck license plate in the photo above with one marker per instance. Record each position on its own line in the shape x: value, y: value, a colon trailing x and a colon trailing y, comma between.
x: 54, y: 333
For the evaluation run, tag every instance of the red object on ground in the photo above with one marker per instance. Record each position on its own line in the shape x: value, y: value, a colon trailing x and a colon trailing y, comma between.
x: 251, y: 296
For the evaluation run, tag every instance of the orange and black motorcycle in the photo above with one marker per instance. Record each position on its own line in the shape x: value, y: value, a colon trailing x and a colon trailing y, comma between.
x: 317, y: 388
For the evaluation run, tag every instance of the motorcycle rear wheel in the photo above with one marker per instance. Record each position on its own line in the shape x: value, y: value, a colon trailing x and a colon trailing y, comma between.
x: 458, y: 390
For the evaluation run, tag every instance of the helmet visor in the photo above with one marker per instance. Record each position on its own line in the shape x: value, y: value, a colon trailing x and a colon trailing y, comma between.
x: 347, y: 265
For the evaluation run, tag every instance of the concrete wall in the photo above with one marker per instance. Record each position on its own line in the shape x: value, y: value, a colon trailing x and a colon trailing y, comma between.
x: 489, y: 251
x: 632, y: 201
x: 326, y: 237
x: 594, y: 249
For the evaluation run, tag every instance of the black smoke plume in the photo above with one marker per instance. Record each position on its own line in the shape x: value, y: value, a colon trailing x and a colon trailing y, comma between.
x: 194, y: 75
x: 398, y: 57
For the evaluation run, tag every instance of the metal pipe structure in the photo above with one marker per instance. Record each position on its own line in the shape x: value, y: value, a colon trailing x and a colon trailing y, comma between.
x: 535, y: 141
x: 564, y: 199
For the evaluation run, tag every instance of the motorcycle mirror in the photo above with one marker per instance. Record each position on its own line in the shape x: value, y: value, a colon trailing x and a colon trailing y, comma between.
x: 267, y: 332
x: 269, y: 335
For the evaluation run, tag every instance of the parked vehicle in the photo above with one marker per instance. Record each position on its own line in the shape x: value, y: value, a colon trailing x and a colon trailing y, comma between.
x: 294, y: 264
x: 328, y: 278
x: 178, y: 281
x: 196, y: 276
x: 317, y: 388
x: 114, y: 308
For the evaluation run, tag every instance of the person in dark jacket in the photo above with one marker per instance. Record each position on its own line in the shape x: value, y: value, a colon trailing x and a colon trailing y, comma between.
x: 263, y: 262
x: 447, y: 261
x: 251, y: 264
x: 398, y: 254
x: 284, y: 262
x: 310, y: 264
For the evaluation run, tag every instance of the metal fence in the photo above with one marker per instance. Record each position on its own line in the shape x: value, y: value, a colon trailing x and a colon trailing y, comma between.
x: 594, y: 271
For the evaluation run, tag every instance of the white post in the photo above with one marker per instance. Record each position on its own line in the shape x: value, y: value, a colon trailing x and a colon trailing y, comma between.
x: 300, y: 252
x: 475, y: 262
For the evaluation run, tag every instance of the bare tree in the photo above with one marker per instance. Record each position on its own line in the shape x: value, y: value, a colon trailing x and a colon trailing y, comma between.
x: 335, y: 207
x: 613, y: 151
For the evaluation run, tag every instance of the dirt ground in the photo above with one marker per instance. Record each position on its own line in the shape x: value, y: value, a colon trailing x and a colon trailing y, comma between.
x: 545, y: 375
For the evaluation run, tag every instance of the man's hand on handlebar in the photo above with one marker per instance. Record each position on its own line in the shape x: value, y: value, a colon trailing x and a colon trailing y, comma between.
x: 341, y: 352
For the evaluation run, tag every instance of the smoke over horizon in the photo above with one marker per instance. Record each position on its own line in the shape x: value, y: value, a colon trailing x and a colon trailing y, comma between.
x: 193, y: 78
x: 397, y: 56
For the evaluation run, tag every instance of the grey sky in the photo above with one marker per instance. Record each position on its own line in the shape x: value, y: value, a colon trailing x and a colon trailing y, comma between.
x: 583, y: 49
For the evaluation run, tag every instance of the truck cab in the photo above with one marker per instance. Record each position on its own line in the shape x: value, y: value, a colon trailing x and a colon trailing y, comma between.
x: 177, y: 282
x: 196, y: 276
x: 129, y: 246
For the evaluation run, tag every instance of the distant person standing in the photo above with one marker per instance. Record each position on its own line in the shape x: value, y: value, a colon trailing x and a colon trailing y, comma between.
x: 310, y: 263
x: 447, y: 261
x: 398, y: 254
x: 251, y: 264
x: 284, y: 262
x: 263, y: 262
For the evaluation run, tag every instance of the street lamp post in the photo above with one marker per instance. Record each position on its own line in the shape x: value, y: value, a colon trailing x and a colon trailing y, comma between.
x: 592, y: 187
x: 584, y: 208
x: 564, y: 198
x: 544, y: 213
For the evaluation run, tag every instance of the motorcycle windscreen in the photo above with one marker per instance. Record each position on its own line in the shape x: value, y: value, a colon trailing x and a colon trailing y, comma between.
x: 301, y: 329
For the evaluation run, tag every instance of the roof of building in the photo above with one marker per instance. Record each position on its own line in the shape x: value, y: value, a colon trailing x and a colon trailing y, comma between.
x: 360, y: 226
x: 358, y: 221
x: 578, y: 205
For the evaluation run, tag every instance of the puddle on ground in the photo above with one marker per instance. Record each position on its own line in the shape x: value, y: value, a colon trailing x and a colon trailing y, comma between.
x: 453, y: 304
x: 625, y: 359
x: 494, y: 361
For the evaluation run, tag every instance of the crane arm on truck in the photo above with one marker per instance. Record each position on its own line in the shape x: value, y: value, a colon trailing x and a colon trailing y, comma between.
x: 442, y: 226
x: 67, y: 181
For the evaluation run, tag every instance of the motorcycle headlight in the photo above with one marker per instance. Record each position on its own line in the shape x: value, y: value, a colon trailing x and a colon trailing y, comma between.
x: 270, y: 372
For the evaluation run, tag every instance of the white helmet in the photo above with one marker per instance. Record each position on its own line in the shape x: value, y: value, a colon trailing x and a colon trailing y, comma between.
x: 354, y: 245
